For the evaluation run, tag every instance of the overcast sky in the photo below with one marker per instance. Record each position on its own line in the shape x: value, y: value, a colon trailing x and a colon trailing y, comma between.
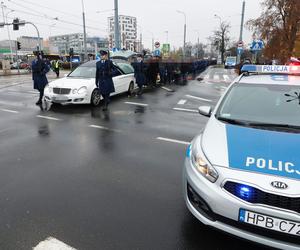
x: 155, y: 18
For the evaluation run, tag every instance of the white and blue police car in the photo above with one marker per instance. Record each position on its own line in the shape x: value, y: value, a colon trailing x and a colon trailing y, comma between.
x: 242, y: 173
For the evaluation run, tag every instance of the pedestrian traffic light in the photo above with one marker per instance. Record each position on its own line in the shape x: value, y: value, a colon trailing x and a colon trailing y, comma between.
x: 16, y: 24
x: 71, y: 52
x: 18, y: 45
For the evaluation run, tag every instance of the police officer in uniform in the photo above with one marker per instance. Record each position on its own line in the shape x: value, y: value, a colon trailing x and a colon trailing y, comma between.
x: 139, y: 73
x: 39, y: 71
x: 104, y: 74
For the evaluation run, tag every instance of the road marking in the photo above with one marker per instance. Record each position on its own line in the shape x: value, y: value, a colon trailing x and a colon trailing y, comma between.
x: 48, y: 118
x: 104, y: 128
x: 198, y: 98
x: 187, y: 110
x: 167, y: 89
x: 138, y: 104
x: 52, y: 244
x: 173, y: 140
x: 10, y: 111
x: 181, y: 102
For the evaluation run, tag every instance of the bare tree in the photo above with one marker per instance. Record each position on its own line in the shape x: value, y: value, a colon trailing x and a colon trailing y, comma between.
x: 278, y: 25
x: 220, y: 38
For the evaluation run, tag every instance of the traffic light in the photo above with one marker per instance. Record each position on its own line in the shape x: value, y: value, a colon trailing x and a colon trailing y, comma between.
x: 71, y: 52
x: 16, y: 24
x: 18, y: 45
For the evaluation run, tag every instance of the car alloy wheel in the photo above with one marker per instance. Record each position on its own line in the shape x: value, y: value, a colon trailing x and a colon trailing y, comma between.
x: 131, y: 89
x: 95, y: 100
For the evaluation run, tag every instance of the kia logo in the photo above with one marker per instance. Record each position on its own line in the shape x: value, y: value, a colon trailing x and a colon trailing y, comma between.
x: 279, y: 185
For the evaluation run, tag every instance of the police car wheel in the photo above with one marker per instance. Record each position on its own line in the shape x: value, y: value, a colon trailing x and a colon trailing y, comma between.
x: 131, y: 89
x: 95, y: 99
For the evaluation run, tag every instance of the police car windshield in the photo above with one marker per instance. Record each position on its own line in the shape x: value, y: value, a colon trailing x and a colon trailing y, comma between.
x: 84, y: 72
x: 262, y: 105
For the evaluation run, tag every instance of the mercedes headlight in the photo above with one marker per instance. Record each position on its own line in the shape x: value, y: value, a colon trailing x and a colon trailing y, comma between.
x: 74, y: 91
x: 202, y: 165
x: 49, y: 89
x: 82, y: 90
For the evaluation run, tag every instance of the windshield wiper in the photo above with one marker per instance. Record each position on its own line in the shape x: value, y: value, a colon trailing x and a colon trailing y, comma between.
x: 233, y: 121
x: 273, y: 125
x: 258, y: 124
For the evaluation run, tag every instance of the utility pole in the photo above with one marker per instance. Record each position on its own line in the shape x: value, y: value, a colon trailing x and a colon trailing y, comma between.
x: 5, y: 21
x: 117, y: 29
x: 184, y: 33
x: 84, y: 31
x: 241, y: 29
x: 141, y: 42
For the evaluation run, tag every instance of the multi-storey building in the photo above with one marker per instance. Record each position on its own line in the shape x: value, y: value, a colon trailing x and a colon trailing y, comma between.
x: 128, y: 32
x: 61, y: 44
x: 29, y: 43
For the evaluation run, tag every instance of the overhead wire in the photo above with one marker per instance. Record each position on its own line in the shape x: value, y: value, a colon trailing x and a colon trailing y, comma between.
x: 48, y: 17
x: 59, y: 11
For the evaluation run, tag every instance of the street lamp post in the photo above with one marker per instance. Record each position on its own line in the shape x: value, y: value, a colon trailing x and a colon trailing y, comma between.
x: 184, y: 33
x: 241, y: 29
x: 167, y: 36
x: 84, y: 31
x: 117, y: 29
x: 198, y: 43
x: 8, y: 32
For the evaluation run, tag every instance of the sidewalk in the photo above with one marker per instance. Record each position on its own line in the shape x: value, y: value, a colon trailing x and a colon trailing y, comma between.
x: 14, y: 72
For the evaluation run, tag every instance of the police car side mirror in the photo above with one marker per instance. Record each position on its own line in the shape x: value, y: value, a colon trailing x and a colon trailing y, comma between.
x: 200, y: 78
x: 205, y: 110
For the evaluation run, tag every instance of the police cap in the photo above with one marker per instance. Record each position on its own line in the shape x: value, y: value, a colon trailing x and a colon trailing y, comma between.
x: 103, y: 52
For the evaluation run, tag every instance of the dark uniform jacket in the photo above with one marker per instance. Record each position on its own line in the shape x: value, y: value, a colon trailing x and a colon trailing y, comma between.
x: 139, y: 73
x: 104, y: 74
x: 39, y: 71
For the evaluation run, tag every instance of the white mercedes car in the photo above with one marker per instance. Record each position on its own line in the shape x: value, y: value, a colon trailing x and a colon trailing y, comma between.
x: 242, y: 173
x: 79, y: 86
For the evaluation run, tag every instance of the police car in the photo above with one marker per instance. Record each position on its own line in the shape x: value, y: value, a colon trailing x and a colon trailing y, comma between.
x: 242, y: 173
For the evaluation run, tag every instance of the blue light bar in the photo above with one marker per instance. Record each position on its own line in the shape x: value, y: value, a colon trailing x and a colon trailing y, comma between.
x: 271, y: 69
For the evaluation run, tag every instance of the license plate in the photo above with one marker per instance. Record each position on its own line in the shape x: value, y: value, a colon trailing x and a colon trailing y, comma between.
x: 269, y: 222
x: 59, y: 98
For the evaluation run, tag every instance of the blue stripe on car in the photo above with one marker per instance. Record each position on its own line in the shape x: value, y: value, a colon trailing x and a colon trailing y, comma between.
x: 263, y: 151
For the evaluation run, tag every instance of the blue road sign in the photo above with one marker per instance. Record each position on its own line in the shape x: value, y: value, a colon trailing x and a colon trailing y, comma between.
x: 257, y: 45
x: 240, y: 50
x: 157, y: 52
x: 115, y: 49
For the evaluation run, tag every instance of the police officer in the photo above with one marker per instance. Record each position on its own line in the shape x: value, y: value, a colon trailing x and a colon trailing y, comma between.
x: 104, y: 74
x: 139, y: 73
x: 56, y: 67
x: 39, y: 71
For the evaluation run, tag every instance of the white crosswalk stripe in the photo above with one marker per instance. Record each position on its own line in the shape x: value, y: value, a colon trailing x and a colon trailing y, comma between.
x: 52, y: 244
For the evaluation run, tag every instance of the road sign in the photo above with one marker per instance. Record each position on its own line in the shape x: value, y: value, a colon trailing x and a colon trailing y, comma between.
x: 240, y: 50
x: 157, y: 45
x: 166, y: 48
x: 257, y: 45
x: 115, y: 49
x: 240, y: 44
x: 157, y: 52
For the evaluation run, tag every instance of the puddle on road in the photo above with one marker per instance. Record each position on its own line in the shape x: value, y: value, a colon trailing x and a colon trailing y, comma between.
x: 139, y: 110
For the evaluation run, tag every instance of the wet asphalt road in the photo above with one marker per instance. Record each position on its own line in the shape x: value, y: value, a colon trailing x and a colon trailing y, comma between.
x: 96, y: 180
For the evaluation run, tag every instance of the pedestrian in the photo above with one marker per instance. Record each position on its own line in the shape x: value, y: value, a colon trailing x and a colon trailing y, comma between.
x: 39, y: 71
x: 153, y: 71
x: 139, y: 73
x: 104, y: 74
x: 56, y: 66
